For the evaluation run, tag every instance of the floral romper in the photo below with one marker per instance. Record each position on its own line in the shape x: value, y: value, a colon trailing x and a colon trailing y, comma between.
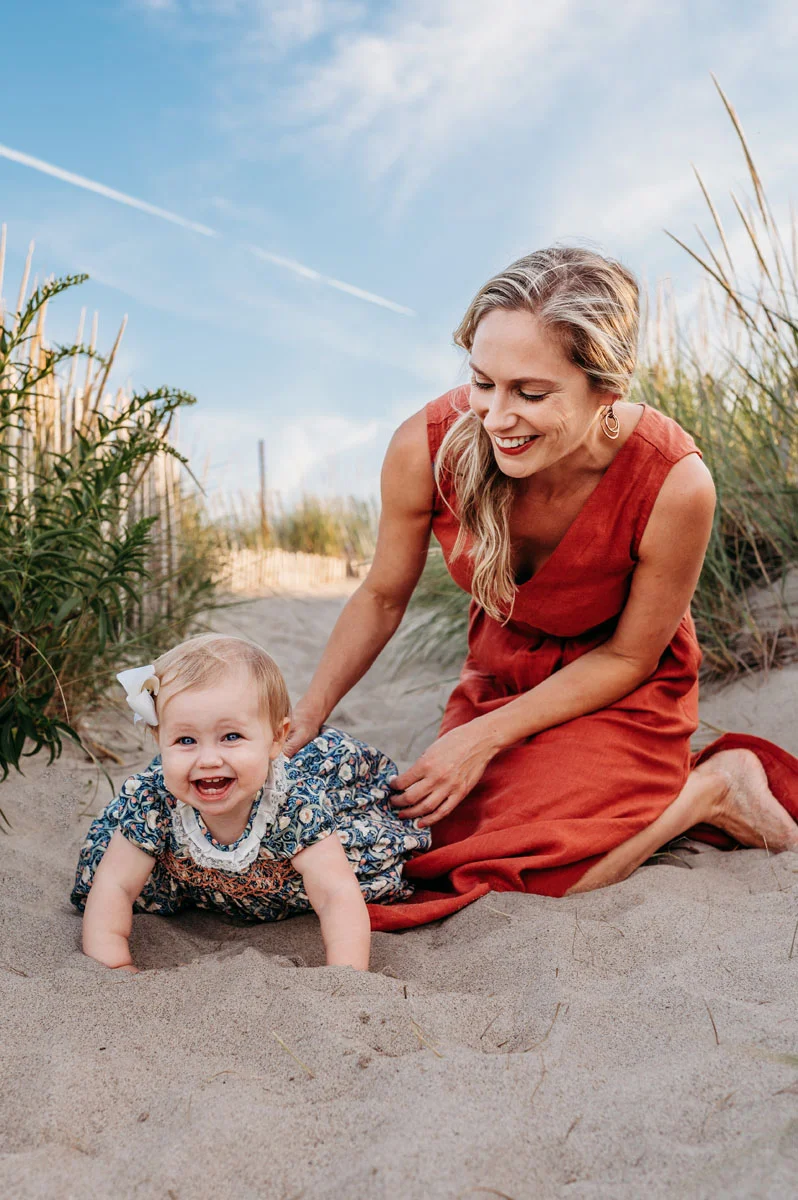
x: 334, y: 784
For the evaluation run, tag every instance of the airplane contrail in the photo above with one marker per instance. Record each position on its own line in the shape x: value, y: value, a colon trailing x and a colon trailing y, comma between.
x: 309, y: 273
x: 91, y: 185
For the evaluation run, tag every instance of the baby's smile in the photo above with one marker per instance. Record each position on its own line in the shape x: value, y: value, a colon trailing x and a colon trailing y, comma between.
x: 213, y: 787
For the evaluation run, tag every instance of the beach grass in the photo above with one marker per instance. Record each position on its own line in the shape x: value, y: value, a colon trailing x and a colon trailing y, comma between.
x: 102, y: 556
x: 734, y: 387
x: 334, y: 526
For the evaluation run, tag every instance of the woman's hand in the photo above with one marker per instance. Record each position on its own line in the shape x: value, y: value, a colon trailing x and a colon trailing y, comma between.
x: 444, y: 775
x: 304, y: 728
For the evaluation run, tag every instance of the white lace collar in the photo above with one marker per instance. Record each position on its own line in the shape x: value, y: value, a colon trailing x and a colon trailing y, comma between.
x: 190, y: 836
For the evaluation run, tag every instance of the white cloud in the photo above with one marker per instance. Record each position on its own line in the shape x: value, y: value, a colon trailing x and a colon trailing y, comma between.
x: 313, y: 443
x: 299, y: 21
x: 402, y: 90
x: 640, y: 164
x: 315, y: 453
x: 266, y: 28
x: 441, y: 73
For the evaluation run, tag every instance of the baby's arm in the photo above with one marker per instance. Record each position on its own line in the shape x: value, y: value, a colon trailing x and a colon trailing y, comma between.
x: 335, y: 894
x: 108, y: 917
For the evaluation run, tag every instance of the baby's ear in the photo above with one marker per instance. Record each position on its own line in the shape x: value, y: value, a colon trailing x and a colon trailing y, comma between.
x: 281, y: 734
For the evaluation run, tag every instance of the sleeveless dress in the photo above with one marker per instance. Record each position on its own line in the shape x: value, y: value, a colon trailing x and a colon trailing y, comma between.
x: 335, y: 784
x: 552, y: 805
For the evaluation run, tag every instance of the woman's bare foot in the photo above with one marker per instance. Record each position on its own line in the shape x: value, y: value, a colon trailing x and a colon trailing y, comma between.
x: 746, y: 808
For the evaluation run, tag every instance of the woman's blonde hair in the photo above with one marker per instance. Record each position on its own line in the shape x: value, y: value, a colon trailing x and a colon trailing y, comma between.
x: 591, y: 304
x: 201, y: 661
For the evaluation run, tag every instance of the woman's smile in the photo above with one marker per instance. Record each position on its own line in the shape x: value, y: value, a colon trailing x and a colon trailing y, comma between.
x: 514, y: 445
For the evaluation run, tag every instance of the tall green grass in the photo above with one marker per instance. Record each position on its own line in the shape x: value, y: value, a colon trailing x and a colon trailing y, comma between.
x: 731, y: 380
x: 736, y: 390
x: 342, y: 527
x: 101, y: 562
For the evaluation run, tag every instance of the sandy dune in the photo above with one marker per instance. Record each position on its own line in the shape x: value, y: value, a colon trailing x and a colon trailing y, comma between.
x: 637, y: 1042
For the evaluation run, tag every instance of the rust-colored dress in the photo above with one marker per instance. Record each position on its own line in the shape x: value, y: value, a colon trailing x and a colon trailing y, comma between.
x: 550, y: 806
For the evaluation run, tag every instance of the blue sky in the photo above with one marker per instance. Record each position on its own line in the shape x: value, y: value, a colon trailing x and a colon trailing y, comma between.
x: 407, y: 149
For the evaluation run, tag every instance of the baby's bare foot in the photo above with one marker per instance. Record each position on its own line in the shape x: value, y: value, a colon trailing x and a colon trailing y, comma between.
x: 746, y: 808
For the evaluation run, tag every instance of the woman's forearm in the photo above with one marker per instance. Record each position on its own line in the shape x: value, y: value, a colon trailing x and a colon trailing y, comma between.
x: 596, y: 680
x: 365, y: 626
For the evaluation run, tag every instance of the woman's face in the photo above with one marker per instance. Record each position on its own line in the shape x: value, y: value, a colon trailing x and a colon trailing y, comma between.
x: 536, y: 405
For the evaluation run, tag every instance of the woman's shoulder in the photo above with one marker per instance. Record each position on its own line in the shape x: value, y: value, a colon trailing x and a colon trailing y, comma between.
x: 447, y: 408
x: 668, y: 471
x: 665, y: 436
x: 442, y: 413
x: 416, y: 442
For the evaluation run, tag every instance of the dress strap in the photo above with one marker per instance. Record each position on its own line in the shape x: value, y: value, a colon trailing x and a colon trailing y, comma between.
x: 666, y: 443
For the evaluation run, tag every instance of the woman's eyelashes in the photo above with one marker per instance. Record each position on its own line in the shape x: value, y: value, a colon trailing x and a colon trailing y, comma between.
x: 485, y: 386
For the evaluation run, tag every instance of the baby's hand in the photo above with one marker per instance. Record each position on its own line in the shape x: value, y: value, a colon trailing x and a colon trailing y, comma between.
x: 127, y: 967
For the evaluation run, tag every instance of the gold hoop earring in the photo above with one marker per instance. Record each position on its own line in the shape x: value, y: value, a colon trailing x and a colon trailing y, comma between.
x: 610, y: 424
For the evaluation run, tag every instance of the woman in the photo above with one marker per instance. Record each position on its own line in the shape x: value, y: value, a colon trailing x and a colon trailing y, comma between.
x: 578, y: 522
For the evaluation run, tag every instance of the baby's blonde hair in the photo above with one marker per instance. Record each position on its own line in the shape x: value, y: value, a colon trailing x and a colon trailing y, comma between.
x: 201, y: 661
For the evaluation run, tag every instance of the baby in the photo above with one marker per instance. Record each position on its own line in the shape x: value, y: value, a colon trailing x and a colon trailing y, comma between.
x: 221, y: 820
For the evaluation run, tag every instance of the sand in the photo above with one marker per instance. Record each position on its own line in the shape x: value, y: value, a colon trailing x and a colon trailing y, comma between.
x: 638, y: 1042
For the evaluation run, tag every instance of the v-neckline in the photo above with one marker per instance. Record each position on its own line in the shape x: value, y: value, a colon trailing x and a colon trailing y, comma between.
x: 587, y: 504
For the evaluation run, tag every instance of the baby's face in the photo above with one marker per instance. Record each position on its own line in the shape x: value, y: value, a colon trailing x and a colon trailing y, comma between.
x: 216, y: 746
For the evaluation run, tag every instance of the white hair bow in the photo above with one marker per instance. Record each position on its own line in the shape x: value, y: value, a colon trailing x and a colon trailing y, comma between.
x: 141, y: 685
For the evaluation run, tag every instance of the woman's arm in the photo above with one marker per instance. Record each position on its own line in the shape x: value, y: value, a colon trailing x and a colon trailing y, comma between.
x: 335, y: 894
x: 108, y: 917
x: 671, y: 555
x: 373, y: 613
